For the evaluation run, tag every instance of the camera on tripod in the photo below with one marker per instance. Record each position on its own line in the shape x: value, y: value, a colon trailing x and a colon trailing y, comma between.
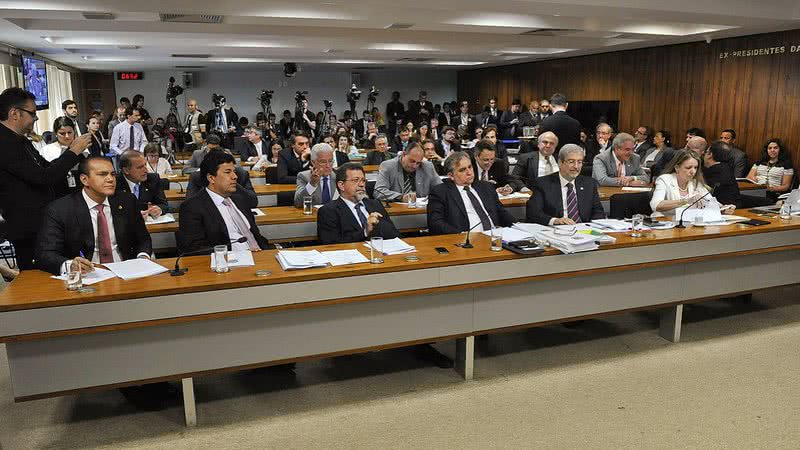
x: 266, y: 96
x: 354, y: 94
x: 299, y: 96
x: 173, y: 91
x: 328, y: 104
x: 373, y: 94
x: 218, y: 100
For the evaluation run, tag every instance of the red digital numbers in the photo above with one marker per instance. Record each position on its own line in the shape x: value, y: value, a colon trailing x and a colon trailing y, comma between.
x: 130, y: 75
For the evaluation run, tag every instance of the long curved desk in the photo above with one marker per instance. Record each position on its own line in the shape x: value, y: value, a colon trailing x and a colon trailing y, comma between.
x: 168, y: 328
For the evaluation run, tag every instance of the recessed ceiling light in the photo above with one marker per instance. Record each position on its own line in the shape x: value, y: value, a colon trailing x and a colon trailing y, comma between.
x: 50, y: 39
x: 457, y: 63
x: 86, y: 58
x: 305, y: 13
x: 505, y: 20
x: 402, y: 47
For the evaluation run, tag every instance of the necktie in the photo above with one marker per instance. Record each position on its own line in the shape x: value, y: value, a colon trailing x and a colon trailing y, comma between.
x: 244, y: 230
x: 130, y: 142
x: 408, y: 185
x: 483, y: 176
x: 220, y: 120
x: 136, y: 190
x: 572, y: 204
x: 485, y: 222
x: 103, y: 237
x: 361, y: 217
x: 326, y: 192
x: 548, y: 167
x: 620, y: 169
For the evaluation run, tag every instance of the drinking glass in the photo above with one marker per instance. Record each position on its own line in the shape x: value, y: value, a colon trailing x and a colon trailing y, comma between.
x: 497, y: 239
x: 412, y: 199
x: 308, y: 205
x: 74, y: 279
x: 637, y: 222
x: 786, y: 212
x: 376, y: 250
x: 221, y: 259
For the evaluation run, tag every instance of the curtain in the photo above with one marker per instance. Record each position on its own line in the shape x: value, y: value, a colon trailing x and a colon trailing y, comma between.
x: 10, y: 76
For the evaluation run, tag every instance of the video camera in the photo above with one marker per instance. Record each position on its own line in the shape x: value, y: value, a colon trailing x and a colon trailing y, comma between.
x: 266, y: 96
x: 173, y: 91
x: 328, y: 104
x: 299, y: 96
x: 218, y: 100
x: 373, y: 94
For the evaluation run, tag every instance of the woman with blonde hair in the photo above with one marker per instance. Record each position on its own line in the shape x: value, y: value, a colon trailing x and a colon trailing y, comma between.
x: 681, y: 184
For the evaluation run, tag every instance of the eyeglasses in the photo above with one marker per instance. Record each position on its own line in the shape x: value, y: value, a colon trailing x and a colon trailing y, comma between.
x: 357, y: 180
x: 32, y: 113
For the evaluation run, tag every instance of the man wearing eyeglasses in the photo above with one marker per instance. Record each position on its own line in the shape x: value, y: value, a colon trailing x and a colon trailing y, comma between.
x: 565, y: 197
x: 27, y: 181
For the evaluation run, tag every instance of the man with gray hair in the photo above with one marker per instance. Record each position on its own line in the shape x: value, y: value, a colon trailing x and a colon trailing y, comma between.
x: 253, y: 148
x: 319, y: 181
x: 600, y: 142
x: 565, y: 197
x: 620, y: 166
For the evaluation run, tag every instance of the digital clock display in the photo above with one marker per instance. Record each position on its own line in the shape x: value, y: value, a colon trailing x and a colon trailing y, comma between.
x: 130, y: 75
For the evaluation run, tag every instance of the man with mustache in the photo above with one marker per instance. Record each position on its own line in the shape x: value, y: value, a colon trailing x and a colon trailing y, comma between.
x: 353, y: 217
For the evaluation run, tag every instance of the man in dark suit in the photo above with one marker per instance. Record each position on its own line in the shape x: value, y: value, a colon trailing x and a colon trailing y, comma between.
x: 254, y: 146
x: 464, y: 122
x: 600, y: 142
x: 92, y: 226
x: 565, y: 197
x: 420, y: 110
x: 70, y: 109
x: 737, y: 158
x: 145, y: 187
x: 644, y: 140
x: 353, y: 217
x: 509, y: 122
x: 218, y: 215
x: 532, y: 116
x: 491, y: 115
x: 292, y: 161
x: 395, y: 113
x: 379, y: 153
x: 533, y: 165
x: 401, y: 141
x: 285, y: 125
x: 567, y: 129
x: 461, y: 203
x: 224, y: 121
x: 448, y: 144
x: 244, y: 187
x: 489, y: 168
x: 28, y: 181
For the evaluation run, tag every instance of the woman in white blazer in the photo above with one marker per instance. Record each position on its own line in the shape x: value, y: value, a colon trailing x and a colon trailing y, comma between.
x: 681, y: 184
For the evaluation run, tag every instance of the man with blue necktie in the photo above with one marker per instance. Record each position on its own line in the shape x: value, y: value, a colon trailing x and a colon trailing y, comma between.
x: 146, y: 187
x: 319, y: 182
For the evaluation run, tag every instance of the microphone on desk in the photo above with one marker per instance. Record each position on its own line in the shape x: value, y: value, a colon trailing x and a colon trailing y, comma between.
x: 177, y: 271
x: 467, y: 243
x: 680, y: 222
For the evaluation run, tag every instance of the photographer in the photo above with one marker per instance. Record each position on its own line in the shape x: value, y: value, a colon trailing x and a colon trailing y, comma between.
x: 306, y: 121
x: 222, y: 120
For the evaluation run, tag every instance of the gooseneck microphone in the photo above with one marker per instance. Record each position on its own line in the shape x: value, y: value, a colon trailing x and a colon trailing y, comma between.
x: 680, y: 222
x: 177, y: 271
x: 467, y: 243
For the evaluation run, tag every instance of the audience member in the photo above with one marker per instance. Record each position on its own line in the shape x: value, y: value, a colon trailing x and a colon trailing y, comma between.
x: 719, y: 175
x: 254, y: 147
x: 405, y: 174
x: 737, y: 158
x: 381, y: 152
x: 488, y: 168
x: 395, y: 113
x: 115, y: 119
x: 490, y: 133
x: 292, y: 161
x: 597, y: 144
x: 566, y: 128
x: 533, y: 165
x: 319, y: 181
x: 681, y: 184
x: 430, y: 154
x: 144, y: 186
x: 774, y: 170
x: 509, y: 123
x: 643, y: 137
x: 155, y: 162
x: 448, y: 144
x: 128, y: 135
x: 98, y: 145
x: 619, y: 166
x: 464, y: 122
x: 662, y: 148
x: 401, y: 141
x: 70, y: 110
x: 213, y: 141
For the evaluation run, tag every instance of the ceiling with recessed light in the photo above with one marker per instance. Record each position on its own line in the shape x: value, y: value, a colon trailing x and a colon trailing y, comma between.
x: 167, y: 34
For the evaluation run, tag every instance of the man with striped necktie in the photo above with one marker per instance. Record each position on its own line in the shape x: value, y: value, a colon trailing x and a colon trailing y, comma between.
x: 565, y: 197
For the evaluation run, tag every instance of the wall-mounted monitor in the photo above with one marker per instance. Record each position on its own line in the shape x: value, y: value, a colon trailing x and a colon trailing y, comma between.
x: 591, y: 112
x: 35, y: 76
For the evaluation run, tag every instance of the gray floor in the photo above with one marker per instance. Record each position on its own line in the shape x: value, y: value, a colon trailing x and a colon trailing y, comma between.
x: 734, y: 382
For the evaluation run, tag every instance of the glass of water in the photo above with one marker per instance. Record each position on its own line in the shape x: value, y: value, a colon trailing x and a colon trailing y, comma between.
x: 74, y: 279
x: 786, y: 212
x: 308, y: 205
x: 412, y: 199
x: 376, y: 250
x: 497, y: 239
x: 637, y: 223
x: 221, y: 259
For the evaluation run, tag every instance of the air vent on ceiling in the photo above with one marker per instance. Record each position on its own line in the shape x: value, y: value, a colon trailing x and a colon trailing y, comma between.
x: 399, y: 26
x: 333, y: 50
x: 549, y: 32
x: 190, y: 67
x: 414, y: 59
x: 191, y: 18
x: 191, y: 55
x: 98, y: 16
x: 128, y: 47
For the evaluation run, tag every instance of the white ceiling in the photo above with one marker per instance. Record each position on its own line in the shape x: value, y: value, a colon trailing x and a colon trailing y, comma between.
x: 447, y: 33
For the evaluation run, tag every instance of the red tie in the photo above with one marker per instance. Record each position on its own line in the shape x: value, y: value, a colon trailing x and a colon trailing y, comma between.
x: 103, y: 237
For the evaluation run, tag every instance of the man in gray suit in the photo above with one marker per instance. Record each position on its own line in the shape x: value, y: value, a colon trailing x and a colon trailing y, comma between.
x: 407, y: 173
x: 319, y: 182
x: 620, y: 166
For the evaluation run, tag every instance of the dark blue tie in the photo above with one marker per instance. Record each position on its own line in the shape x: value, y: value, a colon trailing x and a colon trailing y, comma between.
x: 326, y: 192
x: 361, y: 217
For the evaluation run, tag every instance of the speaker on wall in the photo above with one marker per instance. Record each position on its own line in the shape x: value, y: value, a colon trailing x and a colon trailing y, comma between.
x: 188, y: 80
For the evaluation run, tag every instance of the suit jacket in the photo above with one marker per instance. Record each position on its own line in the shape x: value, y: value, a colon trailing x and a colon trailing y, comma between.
x: 231, y: 119
x: 149, y: 192
x: 289, y: 165
x: 526, y: 171
x: 243, y: 187
x: 491, y: 119
x: 454, y: 147
x: 397, y: 145
x: 415, y: 114
x: 394, y: 111
x: 605, y: 169
x: 661, y: 162
x: 67, y: 231
x: 447, y: 213
x: 737, y: 159
x: 567, y: 129
x: 507, y: 129
x: 316, y: 198
x: 642, y: 149
x: 336, y: 224
x: 469, y: 125
x: 247, y: 149
x: 529, y: 119
x: 389, y: 184
x: 498, y: 174
x: 720, y: 178
x: 592, y: 149
x: 546, y: 202
x: 202, y: 226
x: 28, y: 183
x: 341, y: 158
x: 375, y: 158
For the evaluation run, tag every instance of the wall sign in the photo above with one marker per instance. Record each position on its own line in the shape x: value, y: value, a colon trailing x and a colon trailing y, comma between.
x: 764, y: 51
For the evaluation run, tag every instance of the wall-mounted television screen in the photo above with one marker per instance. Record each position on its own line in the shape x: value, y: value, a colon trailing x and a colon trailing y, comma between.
x: 35, y: 76
x: 591, y: 112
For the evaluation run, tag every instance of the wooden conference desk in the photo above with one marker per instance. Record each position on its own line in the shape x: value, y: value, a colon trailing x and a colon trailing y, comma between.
x: 169, y: 328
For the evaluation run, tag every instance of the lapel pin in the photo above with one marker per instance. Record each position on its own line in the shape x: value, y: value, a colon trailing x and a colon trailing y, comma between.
x: 119, y: 207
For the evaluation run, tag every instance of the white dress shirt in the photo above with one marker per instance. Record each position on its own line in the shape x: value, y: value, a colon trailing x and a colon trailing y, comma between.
x: 259, y: 148
x: 233, y: 232
x: 91, y: 204
x: 543, y: 165
x: 472, y: 215
x: 564, y: 182
x: 121, y: 136
x: 310, y: 189
x: 162, y: 168
x: 667, y: 188
x: 52, y: 151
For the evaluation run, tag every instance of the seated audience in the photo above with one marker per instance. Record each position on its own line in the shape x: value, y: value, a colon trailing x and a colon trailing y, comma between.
x: 619, y: 166
x: 460, y: 203
x: 662, y: 148
x: 254, y: 146
x: 490, y: 133
x: 407, y: 173
x: 92, y: 226
x: 344, y: 146
x: 719, y: 175
x: 294, y: 160
x: 145, y: 187
x: 430, y: 154
x: 737, y: 158
x: 644, y: 140
x: 533, y: 165
x: 319, y: 181
x: 381, y: 152
x: 218, y: 214
x: 244, y: 186
x: 65, y: 136
x: 681, y: 184
x: 155, y: 162
x: 212, y: 142
x: 352, y: 217
x: 600, y: 142
x: 448, y: 144
x: 401, y: 141
x: 489, y: 168
x: 774, y: 170
x: 565, y: 197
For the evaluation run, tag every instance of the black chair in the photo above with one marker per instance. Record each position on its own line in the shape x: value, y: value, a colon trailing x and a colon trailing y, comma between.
x: 371, y: 189
x: 626, y: 205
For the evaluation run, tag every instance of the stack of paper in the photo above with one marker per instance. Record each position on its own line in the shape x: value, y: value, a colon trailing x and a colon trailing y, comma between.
x: 710, y: 215
x: 574, y: 243
x: 135, y: 268
x: 395, y: 246
x: 612, y: 224
x: 515, y: 195
x: 95, y: 276
x: 297, y: 259
x: 511, y: 234
x: 635, y: 189
x: 242, y: 258
x: 164, y: 218
x: 344, y: 257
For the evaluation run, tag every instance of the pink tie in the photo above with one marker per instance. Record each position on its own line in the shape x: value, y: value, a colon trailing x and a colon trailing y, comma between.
x: 103, y: 237
x: 244, y: 230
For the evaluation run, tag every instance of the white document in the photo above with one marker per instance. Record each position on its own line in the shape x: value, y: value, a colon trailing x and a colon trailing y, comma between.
x: 515, y: 195
x: 510, y: 234
x: 747, y: 180
x: 95, y: 276
x: 135, y: 268
x: 297, y: 259
x: 242, y: 258
x: 635, y: 189
x: 421, y: 202
x: 257, y: 212
x: 710, y: 214
x: 394, y: 246
x: 612, y: 224
x: 530, y: 227
x: 164, y: 218
x: 344, y: 257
